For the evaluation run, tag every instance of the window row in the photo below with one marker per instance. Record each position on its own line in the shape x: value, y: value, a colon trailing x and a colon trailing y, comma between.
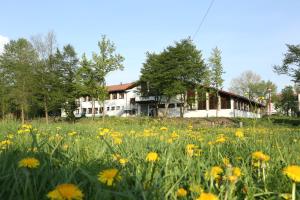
x: 109, y: 97
x: 98, y: 110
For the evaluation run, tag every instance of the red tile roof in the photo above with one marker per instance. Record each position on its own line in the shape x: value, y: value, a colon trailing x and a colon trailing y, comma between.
x: 120, y: 87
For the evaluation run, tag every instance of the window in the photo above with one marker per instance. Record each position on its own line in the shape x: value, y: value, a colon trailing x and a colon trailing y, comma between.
x: 84, y: 99
x: 77, y: 111
x: 83, y: 110
x: 90, y: 111
x: 171, y: 105
x: 112, y: 108
x: 225, y: 102
x: 213, y: 101
x: 132, y: 100
x: 118, y: 108
x: 96, y: 110
x: 161, y: 106
x: 89, y: 98
x: 107, y: 108
x: 121, y: 95
x: 114, y: 96
x: 179, y: 105
x: 101, y: 110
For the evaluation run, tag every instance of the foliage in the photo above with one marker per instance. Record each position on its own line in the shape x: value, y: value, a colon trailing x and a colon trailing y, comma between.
x: 287, y: 101
x: 173, y: 72
x: 291, y: 63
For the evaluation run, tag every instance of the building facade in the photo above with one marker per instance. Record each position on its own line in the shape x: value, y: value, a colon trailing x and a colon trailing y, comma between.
x: 125, y: 100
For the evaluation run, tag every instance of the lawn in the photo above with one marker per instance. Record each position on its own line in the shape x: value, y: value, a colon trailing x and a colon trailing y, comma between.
x: 140, y: 158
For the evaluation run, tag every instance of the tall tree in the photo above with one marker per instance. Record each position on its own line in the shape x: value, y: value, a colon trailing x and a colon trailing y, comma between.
x: 18, y: 61
x: 105, y: 62
x: 67, y: 62
x: 291, y: 63
x: 287, y: 101
x: 215, y: 63
x: 173, y: 72
x: 243, y: 85
x: 46, y: 85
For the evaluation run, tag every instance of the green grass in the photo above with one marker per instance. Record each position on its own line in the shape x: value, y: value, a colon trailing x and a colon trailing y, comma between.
x: 78, y: 159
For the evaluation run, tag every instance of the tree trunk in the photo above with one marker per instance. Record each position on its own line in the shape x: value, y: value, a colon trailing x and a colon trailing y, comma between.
x: 218, y: 104
x: 167, y: 107
x: 93, y: 108
x: 181, y: 104
x: 103, y: 113
x: 22, y: 114
x: 46, y: 110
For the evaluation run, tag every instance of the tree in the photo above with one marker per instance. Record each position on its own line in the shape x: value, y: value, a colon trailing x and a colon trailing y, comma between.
x: 67, y: 62
x: 88, y: 82
x: 173, y: 72
x: 18, y: 61
x: 215, y: 63
x: 287, y: 101
x: 243, y: 85
x: 291, y: 63
x: 46, y: 74
x: 105, y: 62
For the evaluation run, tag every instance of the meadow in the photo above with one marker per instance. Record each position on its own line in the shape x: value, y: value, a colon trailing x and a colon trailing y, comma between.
x: 148, y: 159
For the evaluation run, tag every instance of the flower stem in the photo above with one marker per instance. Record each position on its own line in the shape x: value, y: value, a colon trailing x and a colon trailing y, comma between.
x: 294, y: 191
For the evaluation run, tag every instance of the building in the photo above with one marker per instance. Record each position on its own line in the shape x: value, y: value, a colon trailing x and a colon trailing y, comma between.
x: 125, y: 100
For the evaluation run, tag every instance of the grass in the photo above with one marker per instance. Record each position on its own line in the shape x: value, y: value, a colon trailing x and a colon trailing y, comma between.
x: 77, y: 158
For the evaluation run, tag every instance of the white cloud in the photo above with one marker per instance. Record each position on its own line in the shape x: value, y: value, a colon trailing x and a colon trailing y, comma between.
x: 3, y: 41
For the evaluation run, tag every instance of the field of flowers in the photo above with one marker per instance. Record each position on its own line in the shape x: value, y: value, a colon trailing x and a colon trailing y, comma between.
x: 147, y: 159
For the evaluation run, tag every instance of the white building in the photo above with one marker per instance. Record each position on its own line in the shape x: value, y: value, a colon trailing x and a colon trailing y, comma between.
x: 125, y: 100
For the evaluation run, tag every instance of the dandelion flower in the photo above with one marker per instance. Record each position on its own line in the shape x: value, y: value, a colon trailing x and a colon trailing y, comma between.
x: 293, y: 172
x: 108, y: 176
x: 181, y: 192
x: 152, y: 157
x: 236, y: 171
x: 258, y: 155
x: 239, y: 134
x: 214, y: 172
x: 123, y: 161
x: 66, y: 192
x: 29, y: 162
x: 207, y: 196
x: 163, y: 128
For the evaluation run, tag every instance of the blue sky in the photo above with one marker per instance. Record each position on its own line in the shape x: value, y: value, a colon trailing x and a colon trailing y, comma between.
x: 251, y: 34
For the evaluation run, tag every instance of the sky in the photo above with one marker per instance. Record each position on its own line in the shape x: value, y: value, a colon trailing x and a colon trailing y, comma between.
x: 251, y: 34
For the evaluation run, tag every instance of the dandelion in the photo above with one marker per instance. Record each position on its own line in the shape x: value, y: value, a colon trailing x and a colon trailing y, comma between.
x: 293, y: 172
x: 72, y: 133
x: 260, y: 156
x: 152, y: 157
x: 226, y: 162
x: 207, y: 196
x: 214, y: 173
x: 236, y: 171
x: 65, y: 191
x: 109, y: 176
x: 123, y: 161
x: 181, y: 192
x: 29, y: 162
x: 239, y: 134
x: 163, y: 128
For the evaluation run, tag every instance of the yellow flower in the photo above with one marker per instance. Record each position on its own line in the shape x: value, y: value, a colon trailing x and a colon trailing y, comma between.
x: 117, y: 140
x: 293, y: 172
x: 66, y: 192
x: 123, y: 161
x: 108, y: 176
x: 72, y: 133
x: 214, y: 172
x: 239, y: 134
x: 163, y: 128
x: 29, y: 162
x: 152, y: 157
x: 236, y: 171
x: 258, y: 155
x: 226, y: 162
x: 181, y: 192
x: 207, y: 196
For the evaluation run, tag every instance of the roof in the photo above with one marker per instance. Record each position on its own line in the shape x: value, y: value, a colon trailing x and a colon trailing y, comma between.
x: 240, y: 97
x: 120, y: 87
